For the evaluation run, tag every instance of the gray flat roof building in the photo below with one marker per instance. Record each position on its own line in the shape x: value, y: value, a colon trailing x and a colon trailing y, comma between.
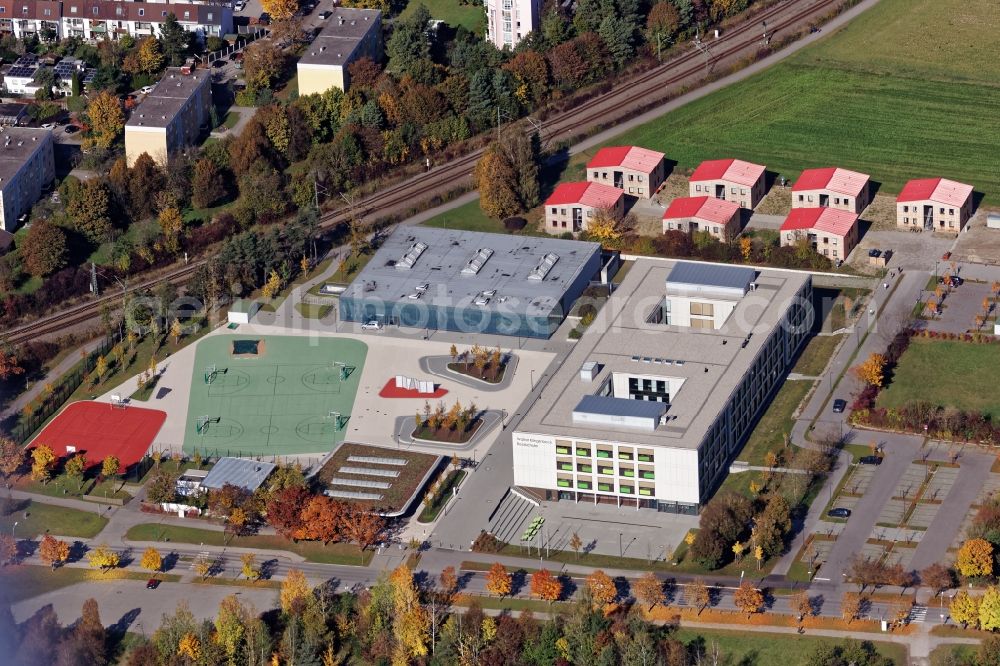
x: 168, y: 98
x: 27, y: 166
x: 242, y: 472
x: 347, y: 35
x: 472, y: 282
x: 678, y: 365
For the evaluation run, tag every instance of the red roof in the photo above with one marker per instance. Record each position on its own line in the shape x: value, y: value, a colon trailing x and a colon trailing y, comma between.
x: 735, y: 171
x: 835, y: 179
x: 829, y: 220
x: 709, y: 209
x: 595, y: 195
x: 629, y: 157
x: 939, y: 190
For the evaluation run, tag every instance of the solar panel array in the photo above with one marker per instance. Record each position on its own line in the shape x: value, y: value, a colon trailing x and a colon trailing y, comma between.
x: 388, y: 473
x: 353, y: 494
x: 377, y: 460
x: 360, y: 483
x: 22, y: 71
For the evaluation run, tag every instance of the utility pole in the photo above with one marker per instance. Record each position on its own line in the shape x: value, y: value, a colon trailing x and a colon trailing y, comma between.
x: 93, y: 279
x: 701, y: 46
x: 767, y: 40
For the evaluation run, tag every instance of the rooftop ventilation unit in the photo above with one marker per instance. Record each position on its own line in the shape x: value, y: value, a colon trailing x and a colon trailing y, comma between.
x: 542, y: 269
x: 479, y: 260
x: 410, y: 258
x: 589, y: 371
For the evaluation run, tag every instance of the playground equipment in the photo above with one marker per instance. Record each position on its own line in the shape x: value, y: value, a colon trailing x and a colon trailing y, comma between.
x: 212, y: 372
x: 118, y: 402
x: 203, y: 422
x: 339, y: 420
x: 418, y: 385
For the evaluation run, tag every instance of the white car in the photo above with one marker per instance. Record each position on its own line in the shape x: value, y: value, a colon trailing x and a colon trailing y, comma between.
x: 371, y: 326
x: 145, y: 90
x: 48, y: 125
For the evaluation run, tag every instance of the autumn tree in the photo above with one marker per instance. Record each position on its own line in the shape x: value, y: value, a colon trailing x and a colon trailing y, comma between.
x: 663, y: 24
x: 602, y: 588
x: 295, y: 590
x: 545, y: 586
x: 323, y: 519
x: 208, y: 185
x: 937, y: 576
x: 280, y: 10
x: 11, y: 457
x: 171, y: 224
x: 231, y: 621
x: 151, y: 560
x: 449, y: 581
x: 8, y: 549
x: 103, y: 558
x: 964, y: 609
x: 272, y: 287
x: 52, y: 551
x: 498, y: 580
x: 263, y: 62
x: 802, y: 604
x: 872, y: 370
x: 248, y: 566
x: 285, y: 509
x: 88, y: 207
x: 697, y: 594
x: 43, y: 461
x: 748, y: 598
x: 44, y: 249
x: 410, y: 620
x: 507, y: 174
x: 75, y: 468
x: 110, y: 467
x: 106, y: 120
x: 975, y: 558
x: 8, y: 364
x: 363, y: 526
x: 649, y: 590
x: 850, y: 606
x: 604, y: 227
x: 576, y: 544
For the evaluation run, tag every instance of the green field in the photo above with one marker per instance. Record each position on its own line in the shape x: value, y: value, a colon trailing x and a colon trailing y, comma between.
x: 468, y: 217
x: 769, y: 433
x: 451, y: 12
x: 948, y: 374
x: 276, y: 402
x: 909, y: 89
x: 753, y: 648
x: 35, y: 518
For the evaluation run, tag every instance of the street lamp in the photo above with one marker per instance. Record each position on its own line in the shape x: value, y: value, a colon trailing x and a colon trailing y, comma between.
x: 12, y: 529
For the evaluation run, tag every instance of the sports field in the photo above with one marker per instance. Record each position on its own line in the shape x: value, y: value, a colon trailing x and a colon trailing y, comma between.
x: 909, y: 89
x: 278, y: 400
x: 98, y: 430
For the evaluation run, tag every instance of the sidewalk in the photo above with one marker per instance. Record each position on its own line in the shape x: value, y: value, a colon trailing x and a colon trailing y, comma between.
x: 53, y: 375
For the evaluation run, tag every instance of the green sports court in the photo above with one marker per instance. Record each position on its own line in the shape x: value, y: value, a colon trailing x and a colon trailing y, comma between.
x: 262, y: 395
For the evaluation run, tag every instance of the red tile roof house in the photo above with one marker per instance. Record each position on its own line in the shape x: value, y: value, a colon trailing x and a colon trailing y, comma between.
x: 936, y: 204
x: 571, y: 205
x: 719, y: 218
x: 831, y: 232
x: 832, y: 187
x: 732, y: 180
x: 636, y: 171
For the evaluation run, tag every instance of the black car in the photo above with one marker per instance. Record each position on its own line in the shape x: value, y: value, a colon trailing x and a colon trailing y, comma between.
x: 953, y: 281
x: 839, y: 512
x: 839, y: 405
x: 219, y: 63
x: 152, y: 584
x: 870, y: 460
x: 70, y: 129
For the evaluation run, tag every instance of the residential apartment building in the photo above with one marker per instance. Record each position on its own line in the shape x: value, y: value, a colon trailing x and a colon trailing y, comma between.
x: 510, y: 21
x: 349, y: 35
x: 832, y: 187
x: 657, y: 398
x: 101, y: 19
x: 732, y: 180
x: 27, y: 167
x: 171, y: 117
x: 633, y: 170
x: 934, y: 204
x: 829, y: 231
x: 572, y: 205
x: 718, y: 217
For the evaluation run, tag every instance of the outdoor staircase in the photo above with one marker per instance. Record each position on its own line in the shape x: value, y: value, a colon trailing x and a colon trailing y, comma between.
x: 511, y: 517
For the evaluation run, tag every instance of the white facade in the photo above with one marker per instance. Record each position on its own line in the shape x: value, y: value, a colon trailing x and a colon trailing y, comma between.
x: 510, y: 21
x: 696, y: 311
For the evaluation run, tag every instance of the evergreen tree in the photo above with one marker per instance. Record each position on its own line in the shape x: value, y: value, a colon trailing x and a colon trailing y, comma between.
x: 174, y: 40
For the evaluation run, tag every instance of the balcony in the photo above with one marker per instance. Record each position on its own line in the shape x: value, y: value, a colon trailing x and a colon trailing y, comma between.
x: 565, y: 467
x: 601, y: 453
x: 605, y: 487
x: 583, y: 452
x: 610, y: 471
x: 564, y: 483
x: 564, y: 450
x: 630, y: 473
x: 625, y: 456
x: 645, y: 457
x: 626, y: 490
x: 645, y: 474
x: 584, y: 485
x: 587, y: 469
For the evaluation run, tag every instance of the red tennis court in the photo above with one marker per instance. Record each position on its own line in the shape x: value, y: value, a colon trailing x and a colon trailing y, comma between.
x: 97, y: 429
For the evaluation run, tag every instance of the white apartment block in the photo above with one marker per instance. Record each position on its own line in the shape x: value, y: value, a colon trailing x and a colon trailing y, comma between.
x: 510, y: 21
x: 27, y: 166
x: 658, y: 396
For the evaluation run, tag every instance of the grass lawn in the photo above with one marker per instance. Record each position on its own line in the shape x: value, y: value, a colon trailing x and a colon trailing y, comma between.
x: 745, y: 647
x: 953, y: 654
x: 816, y: 354
x: 26, y: 581
x: 402, y: 487
x: 313, y: 311
x: 452, y: 12
x: 57, y: 520
x: 231, y: 119
x: 467, y: 217
x: 334, y: 553
x: 887, y: 80
x: 769, y: 434
x: 345, y: 272
x: 431, y: 511
x: 946, y: 373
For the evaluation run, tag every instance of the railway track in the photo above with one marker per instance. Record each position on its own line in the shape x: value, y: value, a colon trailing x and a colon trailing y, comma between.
x: 587, y: 114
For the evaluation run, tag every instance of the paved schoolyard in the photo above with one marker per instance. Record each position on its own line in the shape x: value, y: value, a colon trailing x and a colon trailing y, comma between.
x: 961, y: 307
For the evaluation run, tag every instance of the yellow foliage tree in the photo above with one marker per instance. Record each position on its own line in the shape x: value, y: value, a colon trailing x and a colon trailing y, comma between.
x: 249, y: 566
x: 975, y: 558
x: 746, y: 246
x: 748, y: 598
x: 850, y: 606
x: 602, y: 588
x: 272, y: 287
x: 295, y: 590
x: 42, y: 462
x: 964, y: 609
x: 872, y: 370
x: 190, y: 647
x: 498, y: 580
x: 280, y: 10
x: 604, y: 228
x: 150, y: 56
x: 411, y: 621
x: 103, y: 558
x: 171, y: 224
x: 107, y: 120
x: 151, y: 560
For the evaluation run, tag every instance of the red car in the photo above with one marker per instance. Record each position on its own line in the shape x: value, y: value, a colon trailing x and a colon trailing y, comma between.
x: 152, y: 584
x: 946, y: 256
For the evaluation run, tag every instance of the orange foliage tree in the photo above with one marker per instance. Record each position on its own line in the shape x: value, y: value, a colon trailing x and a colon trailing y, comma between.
x: 545, y: 586
x: 602, y: 588
x: 872, y: 370
x: 498, y: 580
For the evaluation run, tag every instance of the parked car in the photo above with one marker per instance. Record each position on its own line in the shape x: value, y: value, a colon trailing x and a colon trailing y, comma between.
x: 48, y: 126
x: 152, y: 584
x: 240, y: 5
x: 371, y: 326
x: 145, y: 90
x: 839, y: 512
x: 219, y: 63
x: 839, y: 405
x: 870, y: 460
x: 953, y: 281
x: 70, y: 129
x: 946, y: 256
x: 325, y: 15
